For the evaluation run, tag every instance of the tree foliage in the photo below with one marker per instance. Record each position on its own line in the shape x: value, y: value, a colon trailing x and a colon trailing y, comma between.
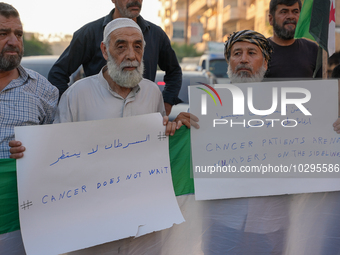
x: 35, y: 47
x: 183, y: 50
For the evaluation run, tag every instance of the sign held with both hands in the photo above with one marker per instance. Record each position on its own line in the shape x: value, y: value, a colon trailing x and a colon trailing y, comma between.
x: 86, y: 183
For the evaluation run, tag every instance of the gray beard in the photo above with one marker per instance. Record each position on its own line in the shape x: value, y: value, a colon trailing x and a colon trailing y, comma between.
x: 10, y: 62
x: 126, y: 79
x: 244, y: 77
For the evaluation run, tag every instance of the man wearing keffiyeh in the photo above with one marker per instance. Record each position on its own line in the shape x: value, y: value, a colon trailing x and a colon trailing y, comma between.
x: 247, y: 53
x: 253, y: 225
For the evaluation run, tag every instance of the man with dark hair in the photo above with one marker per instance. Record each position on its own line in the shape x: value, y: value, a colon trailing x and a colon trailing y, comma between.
x: 10, y: 62
x: 274, y: 4
x: 291, y: 58
x: 84, y: 49
x: 26, y: 98
x: 8, y: 10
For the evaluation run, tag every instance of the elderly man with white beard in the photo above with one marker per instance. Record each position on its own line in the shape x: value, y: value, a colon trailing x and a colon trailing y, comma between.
x: 119, y: 90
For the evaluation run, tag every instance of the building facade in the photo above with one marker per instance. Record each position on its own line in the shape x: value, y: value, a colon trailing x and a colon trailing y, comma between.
x: 212, y: 20
x: 215, y: 20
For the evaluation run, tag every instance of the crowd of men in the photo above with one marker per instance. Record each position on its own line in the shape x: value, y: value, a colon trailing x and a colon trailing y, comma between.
x: 120, y: 53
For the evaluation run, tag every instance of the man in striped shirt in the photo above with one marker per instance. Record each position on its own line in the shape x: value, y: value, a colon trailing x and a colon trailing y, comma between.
x: 26, y: 97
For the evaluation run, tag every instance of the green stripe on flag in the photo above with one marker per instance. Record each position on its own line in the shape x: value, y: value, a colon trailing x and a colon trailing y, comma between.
x: 302, y: 27
x: 9, y: 212
x: 180, y: 161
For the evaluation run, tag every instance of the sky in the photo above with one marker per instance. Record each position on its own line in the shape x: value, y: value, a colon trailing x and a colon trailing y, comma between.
x: 66, y: 16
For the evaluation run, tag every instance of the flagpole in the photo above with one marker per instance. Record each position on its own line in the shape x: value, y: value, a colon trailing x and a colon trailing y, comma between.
x: 324, y: 64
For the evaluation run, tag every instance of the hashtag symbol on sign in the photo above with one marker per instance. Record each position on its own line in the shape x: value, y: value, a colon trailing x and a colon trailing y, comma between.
x: 26, y: 205
x: 161, y: 136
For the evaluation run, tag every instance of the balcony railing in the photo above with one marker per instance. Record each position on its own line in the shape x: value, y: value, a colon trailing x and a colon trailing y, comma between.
x: 212, y: 23
x: 233, y: 13
x: 211, y: 3
x: 251, y: 10
x: 197, y: 6
x: 178, y: 15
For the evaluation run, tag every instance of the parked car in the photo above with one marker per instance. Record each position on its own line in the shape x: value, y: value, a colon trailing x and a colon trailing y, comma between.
x: 188, y: 78
x: 216, y: 64
x: 190, y: 64
x: 43, y: 65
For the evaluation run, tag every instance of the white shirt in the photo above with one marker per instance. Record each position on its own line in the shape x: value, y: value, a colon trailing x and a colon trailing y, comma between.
x: 92, y: 98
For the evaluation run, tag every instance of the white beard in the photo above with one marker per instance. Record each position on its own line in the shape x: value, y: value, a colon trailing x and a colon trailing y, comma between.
x: 126, y: 79
x: 244, y: 77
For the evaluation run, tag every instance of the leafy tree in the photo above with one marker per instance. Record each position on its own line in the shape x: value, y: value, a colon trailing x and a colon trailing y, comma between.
x: 35, y: 47
x: 183, y: 50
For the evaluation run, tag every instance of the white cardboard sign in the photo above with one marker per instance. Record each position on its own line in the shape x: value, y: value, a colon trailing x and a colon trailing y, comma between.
x: 86, y: 183
x: 292, y: 152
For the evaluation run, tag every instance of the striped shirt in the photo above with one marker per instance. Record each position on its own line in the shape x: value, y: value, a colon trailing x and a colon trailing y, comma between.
x: 28, y: 100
